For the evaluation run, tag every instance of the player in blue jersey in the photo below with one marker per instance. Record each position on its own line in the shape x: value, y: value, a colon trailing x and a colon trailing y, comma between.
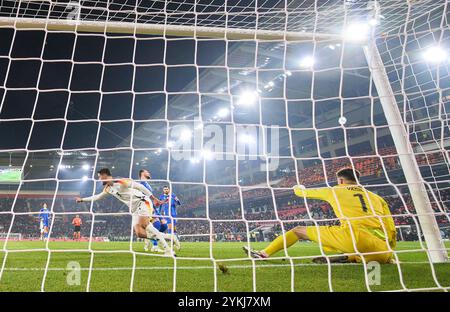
x: 169, y: 209
x: 44, y: 221
x: 159, y: 223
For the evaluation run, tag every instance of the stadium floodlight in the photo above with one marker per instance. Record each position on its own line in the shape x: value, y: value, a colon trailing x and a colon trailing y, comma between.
x: 85, y: 167
x: 185, y: 135
x: 374, y: 21
x: 307, y: 62
x: 357, y: 32
x: 223, y: 112
x: 246, y: 138
x: 207, y: 154
x: 248, y: 98
x: 84, y: 178
x: 195, y: 160
x: 342, y: 120
x: 435, y: 54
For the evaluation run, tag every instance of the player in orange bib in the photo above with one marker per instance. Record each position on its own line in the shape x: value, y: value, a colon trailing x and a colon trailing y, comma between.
x: 76, y: 222
x: 366, y: 228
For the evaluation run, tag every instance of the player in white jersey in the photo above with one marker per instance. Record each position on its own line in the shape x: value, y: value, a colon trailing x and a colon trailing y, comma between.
x: 137, y: 198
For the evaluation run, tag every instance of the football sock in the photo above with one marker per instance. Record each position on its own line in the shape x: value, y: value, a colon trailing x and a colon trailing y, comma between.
x: 278, y: 243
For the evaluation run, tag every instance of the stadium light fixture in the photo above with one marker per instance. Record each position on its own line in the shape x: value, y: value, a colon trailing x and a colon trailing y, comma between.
x: 374, y: 22
x: 435, y: 55
x: 85, y: 167
x: 84, y: 178
x: 246, y: 138
x: 207, y: 154
x: 357, y: 32
x: 185, y: 135
x: 194, y: 160
x: 248, y: 98
x: 307, y: 62
x: 342, y: 120
x: 223, y: 112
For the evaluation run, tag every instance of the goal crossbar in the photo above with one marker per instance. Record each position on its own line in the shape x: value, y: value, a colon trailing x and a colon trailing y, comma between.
x: 161, y: 29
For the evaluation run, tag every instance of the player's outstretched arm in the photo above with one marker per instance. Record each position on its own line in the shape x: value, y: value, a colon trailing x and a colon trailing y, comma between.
x: 91, y: 198
x: 140, y: 187
x: 313, y: 193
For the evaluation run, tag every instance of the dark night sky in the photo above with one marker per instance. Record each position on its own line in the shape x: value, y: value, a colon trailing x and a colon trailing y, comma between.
x: 74, y: 86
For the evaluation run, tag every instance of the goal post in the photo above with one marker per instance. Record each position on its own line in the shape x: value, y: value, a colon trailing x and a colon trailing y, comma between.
x: 416, y: 185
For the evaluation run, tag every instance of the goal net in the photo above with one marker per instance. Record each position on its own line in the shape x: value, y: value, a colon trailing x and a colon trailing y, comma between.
x: 230, y: 104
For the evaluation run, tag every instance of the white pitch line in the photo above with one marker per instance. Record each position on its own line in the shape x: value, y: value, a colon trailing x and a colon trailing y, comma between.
x: 200, y: 267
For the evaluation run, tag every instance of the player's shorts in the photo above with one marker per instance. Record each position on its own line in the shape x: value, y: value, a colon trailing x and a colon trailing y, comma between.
x: 77, y: 228
x: 338, y: 238
x: 43, y: 225
x: 143, y: 210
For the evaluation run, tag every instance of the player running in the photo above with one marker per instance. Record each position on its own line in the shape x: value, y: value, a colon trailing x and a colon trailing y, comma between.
x: 76, y: 222
x: 137, y: 198
x: 44, y: 221
x: 144, y: 176
x: 366, y: 223
x: 170, y: 209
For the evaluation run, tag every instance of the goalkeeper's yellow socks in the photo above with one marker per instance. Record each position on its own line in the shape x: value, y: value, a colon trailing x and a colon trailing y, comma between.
x: 278, y: 243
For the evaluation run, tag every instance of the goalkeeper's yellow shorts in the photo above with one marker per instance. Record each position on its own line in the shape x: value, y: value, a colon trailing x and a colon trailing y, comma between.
x: 339, y: 239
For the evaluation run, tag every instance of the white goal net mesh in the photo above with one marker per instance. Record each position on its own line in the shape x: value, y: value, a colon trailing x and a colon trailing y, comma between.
x: 229, y: 103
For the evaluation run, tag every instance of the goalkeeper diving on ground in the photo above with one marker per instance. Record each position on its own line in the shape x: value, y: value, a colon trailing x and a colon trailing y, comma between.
x: 139, y: 199
x: 366, y: 226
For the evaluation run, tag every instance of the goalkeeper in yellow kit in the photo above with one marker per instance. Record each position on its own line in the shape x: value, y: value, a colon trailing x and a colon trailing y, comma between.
x: 366, y: 228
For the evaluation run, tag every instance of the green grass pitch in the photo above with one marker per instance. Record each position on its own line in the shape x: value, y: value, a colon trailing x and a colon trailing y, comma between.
x: 112, y: 270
